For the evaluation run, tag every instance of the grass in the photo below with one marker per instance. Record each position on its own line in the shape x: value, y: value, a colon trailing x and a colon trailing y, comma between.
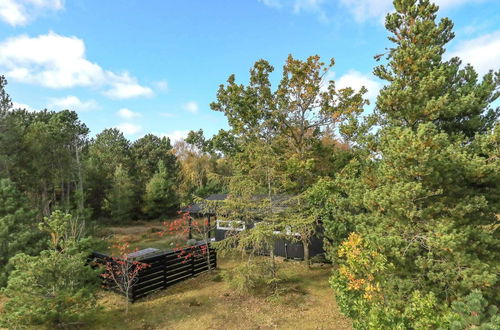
x: 144, y: 234
x: 205, y: 302
x: 141, y: 235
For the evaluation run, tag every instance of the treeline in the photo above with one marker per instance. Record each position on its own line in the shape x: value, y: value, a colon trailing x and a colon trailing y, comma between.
x: 50, y: 158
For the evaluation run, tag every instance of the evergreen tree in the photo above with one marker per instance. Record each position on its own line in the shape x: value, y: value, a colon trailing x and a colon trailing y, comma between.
x: 119, y: 198
x: 160, y: 198
x: 5, y: 100
x: 56, y: 288
x: 411, y: 221
x: 109, y: 150
x: 422, y: 87
x: 147, y: 152
x: 18, y: 232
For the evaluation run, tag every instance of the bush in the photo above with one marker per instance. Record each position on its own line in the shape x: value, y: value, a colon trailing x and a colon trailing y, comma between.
x: 253, y: 277
x: 53, y: 288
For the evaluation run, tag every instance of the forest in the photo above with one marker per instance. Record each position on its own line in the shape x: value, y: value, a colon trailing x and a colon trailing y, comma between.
x: 407, y: 196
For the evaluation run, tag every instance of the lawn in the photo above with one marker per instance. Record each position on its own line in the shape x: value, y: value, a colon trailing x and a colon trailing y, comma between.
x: 206, y: 302
x: 143, y: 234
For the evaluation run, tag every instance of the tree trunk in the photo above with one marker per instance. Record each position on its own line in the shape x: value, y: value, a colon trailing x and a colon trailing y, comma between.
x: 127, y: 300
x: 305, y: 244
x: 80, y: 180
x: 208, y: 257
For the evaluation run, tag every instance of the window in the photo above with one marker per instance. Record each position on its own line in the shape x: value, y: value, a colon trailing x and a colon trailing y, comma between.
x: 231, y: 225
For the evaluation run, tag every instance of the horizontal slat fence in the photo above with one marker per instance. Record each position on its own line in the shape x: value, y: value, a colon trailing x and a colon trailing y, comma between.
x: 165, y: 269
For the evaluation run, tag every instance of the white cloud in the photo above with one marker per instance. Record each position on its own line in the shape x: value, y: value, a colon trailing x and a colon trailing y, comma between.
x: 482, y: 52
x: 454, y: 3
x: 57, y: 61
x: 364, y: 10
x: 129, y: 128
x: 191, y: 106
x: 161, y: 85
x: 21, y: 12
x: 311, y: 6
x: 128, y: 114
x: 175, y: 135
x: 272, y: 3
x: 124, y: 87
x: 16, y: 105
x: 72, y: 103
x: 356, y: 80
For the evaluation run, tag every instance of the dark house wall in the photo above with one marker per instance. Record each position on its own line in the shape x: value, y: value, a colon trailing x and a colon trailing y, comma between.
x: 285, y: 248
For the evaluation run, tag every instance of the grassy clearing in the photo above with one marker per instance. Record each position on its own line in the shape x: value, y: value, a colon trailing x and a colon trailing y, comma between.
x: 141, y: 235
x: 205, y: 302
x: 144, y: 234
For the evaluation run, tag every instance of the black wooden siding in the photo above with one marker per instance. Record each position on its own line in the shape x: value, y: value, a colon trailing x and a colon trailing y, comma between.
x: 165, y: 269
x: 284, y: 248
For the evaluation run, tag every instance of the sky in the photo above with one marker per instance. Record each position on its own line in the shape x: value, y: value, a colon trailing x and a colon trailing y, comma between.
x: 155, y: 66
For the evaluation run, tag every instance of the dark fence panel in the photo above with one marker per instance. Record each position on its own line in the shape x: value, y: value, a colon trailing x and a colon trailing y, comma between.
x: 165, y: 269
x: 283, y: 247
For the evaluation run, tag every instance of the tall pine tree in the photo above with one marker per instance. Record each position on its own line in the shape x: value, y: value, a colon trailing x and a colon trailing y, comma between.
x: 412, y: 220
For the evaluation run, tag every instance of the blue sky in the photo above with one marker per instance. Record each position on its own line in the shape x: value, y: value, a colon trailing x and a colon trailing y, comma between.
x: 154, y: 66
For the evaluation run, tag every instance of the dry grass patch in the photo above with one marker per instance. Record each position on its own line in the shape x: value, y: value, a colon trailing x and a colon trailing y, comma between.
x: 205, y: 302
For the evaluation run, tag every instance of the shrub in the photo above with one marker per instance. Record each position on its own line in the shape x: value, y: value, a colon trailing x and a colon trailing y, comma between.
x: 253, y: 278
x: 53, y: 288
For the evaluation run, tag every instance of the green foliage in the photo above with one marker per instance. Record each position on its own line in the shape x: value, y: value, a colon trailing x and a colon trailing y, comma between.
x: 17, y: 231
x: 39, y: 152
x: 57, y: 225
x: 108, y: 151
x: 422, y: 87
x: 286, y: 123
x: 5, y: 100
x: 58, y: 286
x: 148, y: 151
x: 411, y: 221
x: 430, y: 206
x: 253, y: 277
x: 160, y: 198
x: 201, y: 173
x: 119, y: 198
x: 473, y: 311
x: 53, y: 288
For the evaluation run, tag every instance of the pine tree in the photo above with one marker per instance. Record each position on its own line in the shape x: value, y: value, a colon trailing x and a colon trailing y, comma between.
x: 56, y: 288
x: 160, y: 198
x: 18, y: 232
x: 5, y: 100
x: 119, y: 199
x: 411, y: 221
x: 422, y: 87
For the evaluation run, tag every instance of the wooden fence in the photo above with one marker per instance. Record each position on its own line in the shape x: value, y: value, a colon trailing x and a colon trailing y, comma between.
x: 165, y: 269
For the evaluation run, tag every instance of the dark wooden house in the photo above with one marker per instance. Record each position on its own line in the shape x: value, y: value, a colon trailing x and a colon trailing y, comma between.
x: 287, y: 248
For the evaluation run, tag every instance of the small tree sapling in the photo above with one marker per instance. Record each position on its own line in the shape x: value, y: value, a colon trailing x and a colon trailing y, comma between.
x: 123, y: 272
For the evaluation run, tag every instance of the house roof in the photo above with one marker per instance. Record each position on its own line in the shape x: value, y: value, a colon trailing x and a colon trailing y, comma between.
x: 197, y: 208
x: 217, y: 197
